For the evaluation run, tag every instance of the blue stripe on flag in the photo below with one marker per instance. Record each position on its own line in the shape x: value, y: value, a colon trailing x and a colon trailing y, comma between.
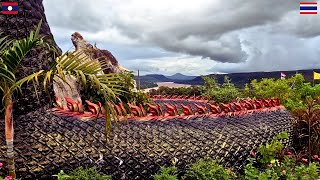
x: 14, y: 8
x: 308, y: 7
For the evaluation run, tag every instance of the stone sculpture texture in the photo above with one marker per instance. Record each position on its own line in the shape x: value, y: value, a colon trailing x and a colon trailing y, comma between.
x: 71, y: 89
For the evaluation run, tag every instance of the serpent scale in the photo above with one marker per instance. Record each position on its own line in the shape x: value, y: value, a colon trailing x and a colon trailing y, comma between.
x: 45, y: 143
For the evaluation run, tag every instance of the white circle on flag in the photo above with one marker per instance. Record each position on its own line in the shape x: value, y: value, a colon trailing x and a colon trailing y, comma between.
x: 10, y: 8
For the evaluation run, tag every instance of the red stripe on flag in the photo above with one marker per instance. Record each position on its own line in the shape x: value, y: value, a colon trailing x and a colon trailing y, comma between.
x: 308, y: 12
x: 9, y: 12
x: 9, y: 3
x: 308, y: 2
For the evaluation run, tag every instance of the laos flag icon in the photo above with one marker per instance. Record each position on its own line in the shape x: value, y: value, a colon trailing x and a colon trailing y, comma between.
x: 9, y: 8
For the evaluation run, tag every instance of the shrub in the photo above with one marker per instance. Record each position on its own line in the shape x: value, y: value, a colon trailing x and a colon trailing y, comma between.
x: 166, y: 173
x: 83, y: 174
x: 307, y: 118
x: 219, y: 93
x: 139, y: 98
x: 271, y: 163
x: 207, y: 170
x: 129, y: 94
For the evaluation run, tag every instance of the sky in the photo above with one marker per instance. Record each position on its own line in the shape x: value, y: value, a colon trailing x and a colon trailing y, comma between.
x: 194, y: 37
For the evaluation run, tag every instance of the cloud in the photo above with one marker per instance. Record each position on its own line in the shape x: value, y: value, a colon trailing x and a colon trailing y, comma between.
x: 304, y: 26
x: 288, y: 53
x: 239, y: 35
x: 170, y: 65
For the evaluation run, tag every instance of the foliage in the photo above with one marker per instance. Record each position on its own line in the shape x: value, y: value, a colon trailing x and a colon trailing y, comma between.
x: 133, y: 96
x: 166, y: 173
x: 246, y: 91
x: 87, y: 72
x: 271, y: 151
x: 270, y: 163
x: 127, y: 86
x: 146, y: 85
x: 219, y: 93
x: 76, y: 64
x: 292, y: 92
x: 306, y: 118
x: 207, y: 170
x: 82, y: 174
x: 296, y: 95
x: 140, y: 98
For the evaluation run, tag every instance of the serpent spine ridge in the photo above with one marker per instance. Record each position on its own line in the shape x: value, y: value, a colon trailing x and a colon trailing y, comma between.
x: 46, y: 143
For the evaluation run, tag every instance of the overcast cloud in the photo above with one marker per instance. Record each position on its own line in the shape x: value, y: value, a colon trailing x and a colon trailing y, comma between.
x: 193, y: 37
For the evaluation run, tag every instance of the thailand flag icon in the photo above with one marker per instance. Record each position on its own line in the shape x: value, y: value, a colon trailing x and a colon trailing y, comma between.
x: 9, y: 8
x: 308, y: 8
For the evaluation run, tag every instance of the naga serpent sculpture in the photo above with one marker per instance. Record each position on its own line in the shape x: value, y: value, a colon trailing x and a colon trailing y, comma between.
x: 48, y: 141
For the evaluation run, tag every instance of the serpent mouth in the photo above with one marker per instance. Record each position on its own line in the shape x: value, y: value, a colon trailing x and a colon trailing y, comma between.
x: 76, y: 37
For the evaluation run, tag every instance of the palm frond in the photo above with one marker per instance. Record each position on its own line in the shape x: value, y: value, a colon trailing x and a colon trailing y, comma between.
x: 5, y: 42
x: 6, y: 75
x: 14, y: 54
x: 32, y: 77
x: 89, y: 72
x: 79, y: 61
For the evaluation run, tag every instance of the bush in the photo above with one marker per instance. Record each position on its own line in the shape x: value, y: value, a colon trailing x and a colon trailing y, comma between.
x: 129, y: 94
x: 271, y: 163
x: 83, y: 174
x: 207, y: 170
x: 307, y: 118
x: 220, y: 93
x: 166, y: 173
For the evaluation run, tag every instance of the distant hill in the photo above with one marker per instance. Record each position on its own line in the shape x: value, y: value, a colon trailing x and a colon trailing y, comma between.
x: 149, y: 81
x: 240, y: 79
x: 154, y: 78
x: 181, y: 77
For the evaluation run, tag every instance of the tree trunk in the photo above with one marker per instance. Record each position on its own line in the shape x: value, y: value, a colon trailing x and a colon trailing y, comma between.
x: 9, y: 132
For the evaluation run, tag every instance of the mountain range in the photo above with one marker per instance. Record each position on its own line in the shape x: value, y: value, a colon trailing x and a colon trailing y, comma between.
x: 239, y: 79
x: 181, y: 77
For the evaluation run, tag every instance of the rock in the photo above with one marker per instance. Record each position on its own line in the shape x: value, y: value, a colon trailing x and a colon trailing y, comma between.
x: 63, y: 89
x: 94, y: 53
x: 72, y: 88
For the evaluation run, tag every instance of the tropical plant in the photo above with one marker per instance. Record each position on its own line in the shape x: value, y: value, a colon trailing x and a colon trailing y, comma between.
x: 82, y: 174
x: 12, y: 52
x: 134, y: 96
x: 273, y: 161
x: 167, y: 173
x: 272, y: 150
x: 129, y: 95
x: 307, y: 126
x: 269, y: 87
x: 292, y: 92
x: 208, y: 170
x: 219, y: 93
x: 11, y: 55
